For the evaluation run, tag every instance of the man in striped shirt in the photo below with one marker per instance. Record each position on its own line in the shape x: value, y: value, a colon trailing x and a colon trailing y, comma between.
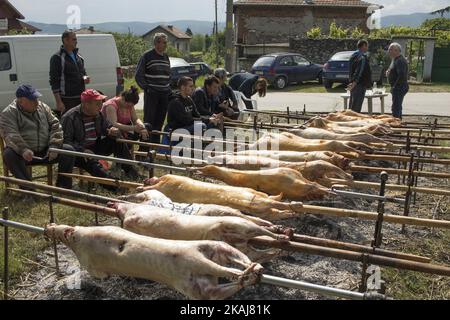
x: 153, y: 76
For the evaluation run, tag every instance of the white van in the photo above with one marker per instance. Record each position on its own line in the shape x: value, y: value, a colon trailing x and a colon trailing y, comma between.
x: 25, y: 59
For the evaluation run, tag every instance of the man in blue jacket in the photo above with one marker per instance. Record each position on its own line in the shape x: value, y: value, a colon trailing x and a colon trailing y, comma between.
x: 360, y: 76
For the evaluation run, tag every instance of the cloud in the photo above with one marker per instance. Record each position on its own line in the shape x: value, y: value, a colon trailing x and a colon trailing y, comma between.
x: 392, y: 7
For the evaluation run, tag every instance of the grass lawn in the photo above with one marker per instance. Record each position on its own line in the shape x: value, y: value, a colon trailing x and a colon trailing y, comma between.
x: 314, y: 87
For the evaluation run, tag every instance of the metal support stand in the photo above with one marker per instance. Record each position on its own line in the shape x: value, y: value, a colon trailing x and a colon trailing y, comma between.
x: 288, y: 116
x: 378, y: 236
x: 55, y: 248
x: 409, y: 192
x: 365, y: 265
x: 151, y: 155
x: 5, y: 215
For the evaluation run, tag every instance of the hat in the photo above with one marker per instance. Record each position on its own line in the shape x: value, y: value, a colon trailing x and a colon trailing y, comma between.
x: 27, y: 91
x: 92, y: 95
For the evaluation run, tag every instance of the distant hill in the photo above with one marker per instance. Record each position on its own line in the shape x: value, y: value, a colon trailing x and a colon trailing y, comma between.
x: 408, y: 20
x: 138, y: 28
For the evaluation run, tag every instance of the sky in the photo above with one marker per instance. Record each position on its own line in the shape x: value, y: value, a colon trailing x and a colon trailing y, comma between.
x: 97, y: 11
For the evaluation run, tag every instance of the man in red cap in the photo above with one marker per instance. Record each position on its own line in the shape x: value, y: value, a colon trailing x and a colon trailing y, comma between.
x: 86, y: 130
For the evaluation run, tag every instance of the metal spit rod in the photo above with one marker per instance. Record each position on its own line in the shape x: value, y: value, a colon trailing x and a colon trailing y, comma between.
x: 265, y: 279
x: 118, y: 160
x: 328, y: 291
x: 373, y: 197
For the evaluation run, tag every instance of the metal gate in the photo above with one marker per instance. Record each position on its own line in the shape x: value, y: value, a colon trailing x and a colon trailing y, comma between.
x: 441, y: 65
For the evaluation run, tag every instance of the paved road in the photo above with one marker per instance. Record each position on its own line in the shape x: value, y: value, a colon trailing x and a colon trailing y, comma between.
x: 415, y: 103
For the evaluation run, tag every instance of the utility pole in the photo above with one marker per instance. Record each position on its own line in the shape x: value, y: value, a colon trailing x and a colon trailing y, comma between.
x: 229, y: 37
x: 216, y: 27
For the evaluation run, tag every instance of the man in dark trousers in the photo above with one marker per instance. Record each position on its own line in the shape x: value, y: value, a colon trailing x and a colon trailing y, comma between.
x: 360, y: 76
x: 398, y: 79
x: 153, y: 76
x: 67, y: 74
x: 86, y: 130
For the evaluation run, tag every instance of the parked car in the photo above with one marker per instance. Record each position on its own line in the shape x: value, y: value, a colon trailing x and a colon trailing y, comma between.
x: 202, y: 68
x: 337, y: 70
x: 282, y: 69
x: 26, y: 59
x: 179, y: 68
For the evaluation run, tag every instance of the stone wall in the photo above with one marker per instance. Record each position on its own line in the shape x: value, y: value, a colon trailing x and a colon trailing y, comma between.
x: 321, y: 50
x: 272, y: 24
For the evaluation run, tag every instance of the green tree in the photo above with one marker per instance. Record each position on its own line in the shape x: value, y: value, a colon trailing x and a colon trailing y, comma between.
x: 198, y: 43
x: 189, y: 32
x: 130, y: 48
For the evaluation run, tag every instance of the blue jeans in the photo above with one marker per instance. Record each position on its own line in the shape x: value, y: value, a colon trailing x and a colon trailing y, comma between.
x: 398, y: 95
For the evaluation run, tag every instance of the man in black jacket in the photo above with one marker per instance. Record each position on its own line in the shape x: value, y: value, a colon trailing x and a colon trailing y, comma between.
x: 86, y: 130
x: 67, y: 74
x: 183, y: 112
x: 153, y: 76
x: 398, y: 79
x: 360, y: 76
x: 207, y: 98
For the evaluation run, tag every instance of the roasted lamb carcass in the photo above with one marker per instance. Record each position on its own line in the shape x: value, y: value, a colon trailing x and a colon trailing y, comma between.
x: 318, y: 133
x: 290, y: 142
x: 191, y: 267
x: 350, y: 127
x: 295, y: 156
x: 157, y: 199
x: 187, y: 190
x: 288, y: 182
x: 165, y: 224
x: 316, y: 171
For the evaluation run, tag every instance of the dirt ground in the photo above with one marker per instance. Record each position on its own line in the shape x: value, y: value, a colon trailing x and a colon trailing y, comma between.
x: 41, y: 282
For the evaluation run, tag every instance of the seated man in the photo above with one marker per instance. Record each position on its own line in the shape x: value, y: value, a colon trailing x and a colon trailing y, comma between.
x: 29, y: 129
x: 86, y: 130
x: 207, y: 98
x: 249, y: 84
x: 228, y: 103
x: 182, y: 111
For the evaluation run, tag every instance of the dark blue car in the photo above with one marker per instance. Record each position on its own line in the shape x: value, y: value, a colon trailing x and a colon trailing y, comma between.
x: 337, y: 70
x: 179, y: 67
x: 281, y: 69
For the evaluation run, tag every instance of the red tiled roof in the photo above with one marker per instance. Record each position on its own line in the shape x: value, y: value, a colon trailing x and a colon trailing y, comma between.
x: 172, y: 30
x: 325, y: 3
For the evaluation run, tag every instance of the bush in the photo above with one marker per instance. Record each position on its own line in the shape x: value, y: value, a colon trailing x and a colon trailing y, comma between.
x: 337, y: 32
x: 315, y: 33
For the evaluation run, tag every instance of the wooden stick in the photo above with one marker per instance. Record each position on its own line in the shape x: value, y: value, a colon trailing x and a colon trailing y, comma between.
x: 393, y: 187
x: 333, y: 212
x: 403, y: 172
x: 109, y: 182
x: 352, y: 256
x: 423, y: 130
x: 396, y: 158
x: 296, y: 238
x: 72, y: 203
x: 357, y: 248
